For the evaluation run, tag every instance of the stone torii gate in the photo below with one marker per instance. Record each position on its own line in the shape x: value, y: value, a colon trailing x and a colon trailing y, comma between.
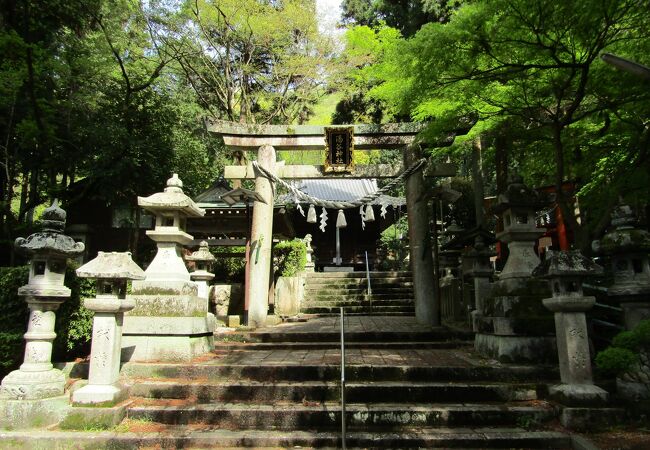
x: 266, y: 139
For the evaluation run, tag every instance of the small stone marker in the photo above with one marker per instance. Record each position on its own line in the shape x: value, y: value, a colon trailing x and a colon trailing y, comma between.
x: 111, y: 270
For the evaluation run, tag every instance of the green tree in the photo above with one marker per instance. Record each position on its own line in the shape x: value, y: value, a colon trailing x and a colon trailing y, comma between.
x: 531, y: 71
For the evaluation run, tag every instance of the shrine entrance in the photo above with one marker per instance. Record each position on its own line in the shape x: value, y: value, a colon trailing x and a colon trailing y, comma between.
x: 338, y: 144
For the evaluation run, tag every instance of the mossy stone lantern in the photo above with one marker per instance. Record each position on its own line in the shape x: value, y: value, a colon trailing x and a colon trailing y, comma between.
x: 566, y: 271
x: 628, y: 247
x: 49, y: 251
x: 112, y: 271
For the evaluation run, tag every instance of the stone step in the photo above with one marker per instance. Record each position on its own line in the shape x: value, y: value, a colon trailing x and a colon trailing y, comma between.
x: 359, y: 291
x: 208, y: 437
x: 321, y: 391
x: 360, y: 309
x: 317, y: 275
x: 355, y: 283
x: 323, y: 416
x: 220, y: 346
x: 353, y: 373
x: 439, y: 334
x: 347, y: 301
x: 360, y: 296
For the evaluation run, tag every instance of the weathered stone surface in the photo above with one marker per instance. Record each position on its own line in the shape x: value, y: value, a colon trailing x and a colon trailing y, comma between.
x: 113, y: 265
x: 590, y: 419
x: 576, y: 394
x: 509, y: 349
x: 25, y: 414
x: 158, y: 347
x: 289, y: 294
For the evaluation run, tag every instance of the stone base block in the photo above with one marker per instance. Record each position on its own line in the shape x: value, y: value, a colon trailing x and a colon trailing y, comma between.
x: 233, y: 321
x: 590, y: 419
x: 22, y: 414
x: 273, y: 320
x: 579, y: 395
x: 88, y: 417
x: 516, y: 326
x: 26, y: 385
x: 165, y: 348
x: 168, y: 306
x: 100, y: 395
x: 520, y: 349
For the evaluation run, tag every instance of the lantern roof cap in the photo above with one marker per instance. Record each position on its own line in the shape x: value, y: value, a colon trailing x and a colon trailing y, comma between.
x: 171, y: 199
x: 111, y: 265
x: 518, y: 194
x: 50, y: 241
x: 567, y: 264
x: 202, y: 254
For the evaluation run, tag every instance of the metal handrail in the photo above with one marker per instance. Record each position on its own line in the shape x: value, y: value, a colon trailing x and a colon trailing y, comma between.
x: 368, y: 274
x: 342, y: 381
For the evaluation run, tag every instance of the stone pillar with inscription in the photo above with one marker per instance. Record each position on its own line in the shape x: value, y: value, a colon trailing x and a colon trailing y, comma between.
x: 35, y: 392
x: 565, y: 272
x: 259, y: 267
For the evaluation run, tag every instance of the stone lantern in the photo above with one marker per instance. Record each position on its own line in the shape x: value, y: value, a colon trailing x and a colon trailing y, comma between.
x: 112, y: 271
x: 203, y: 260
x: 171, y: 209
x: 512, y: 324
x: 170, y: 322
x: 517, y: 207
x: 565, y: 271
x: 49, y: 250
x: 628, y: 247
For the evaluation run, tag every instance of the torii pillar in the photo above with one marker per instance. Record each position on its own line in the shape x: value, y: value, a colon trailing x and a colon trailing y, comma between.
x: 427, y: 305
x: 260, y: 257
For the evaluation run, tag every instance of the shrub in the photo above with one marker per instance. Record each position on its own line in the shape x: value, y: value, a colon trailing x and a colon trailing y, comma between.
x: 623, y: 354
x: 614, y: 360
x: 229, y: 269
x: 290, y: 257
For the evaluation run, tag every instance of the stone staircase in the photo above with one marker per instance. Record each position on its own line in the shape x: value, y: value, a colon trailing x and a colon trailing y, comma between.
x: 391, y: 293
x: 407, y: 386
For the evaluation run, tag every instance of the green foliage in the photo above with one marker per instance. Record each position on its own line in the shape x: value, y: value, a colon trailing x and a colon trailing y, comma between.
x: 13, y: 309
x: 613, y: 360
x: 529, y: 72
x: 393, y: 242
x: 289, y: 257
x: 623, y: 354
x: 74, y: 323
x: 11, y: 351
x: 229, y: 269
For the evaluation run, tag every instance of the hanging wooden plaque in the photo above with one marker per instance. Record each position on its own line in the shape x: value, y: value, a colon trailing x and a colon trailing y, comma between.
x: 339, y: 149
